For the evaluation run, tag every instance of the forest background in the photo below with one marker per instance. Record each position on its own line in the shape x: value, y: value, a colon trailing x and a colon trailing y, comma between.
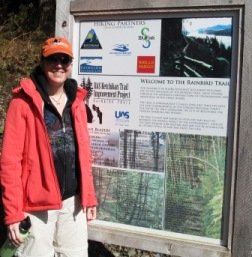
x: 24, y: 25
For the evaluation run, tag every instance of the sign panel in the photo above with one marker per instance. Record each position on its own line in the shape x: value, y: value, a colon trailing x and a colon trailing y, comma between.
x: 120, y: 47
x: 159, y: 91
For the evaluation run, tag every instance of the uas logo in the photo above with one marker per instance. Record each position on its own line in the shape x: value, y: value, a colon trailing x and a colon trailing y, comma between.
x: 122, y: 115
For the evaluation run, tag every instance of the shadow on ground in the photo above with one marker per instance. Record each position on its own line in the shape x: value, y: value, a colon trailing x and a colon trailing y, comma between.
x: 97, y: 249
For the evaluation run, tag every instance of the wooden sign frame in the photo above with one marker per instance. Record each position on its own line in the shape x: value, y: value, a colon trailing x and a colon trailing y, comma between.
x: 238, y: 194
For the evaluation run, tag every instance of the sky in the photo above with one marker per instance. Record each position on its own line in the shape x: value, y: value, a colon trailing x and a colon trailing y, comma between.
x: 193, y: 24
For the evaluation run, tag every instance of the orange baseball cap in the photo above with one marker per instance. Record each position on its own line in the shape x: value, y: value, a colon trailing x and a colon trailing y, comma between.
x: 56, y: 45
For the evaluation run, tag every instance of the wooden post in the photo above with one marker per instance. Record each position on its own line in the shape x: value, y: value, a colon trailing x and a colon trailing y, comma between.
x: 242, y: 230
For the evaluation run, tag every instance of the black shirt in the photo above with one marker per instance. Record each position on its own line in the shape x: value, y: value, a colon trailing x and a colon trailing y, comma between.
x: 61, y: 135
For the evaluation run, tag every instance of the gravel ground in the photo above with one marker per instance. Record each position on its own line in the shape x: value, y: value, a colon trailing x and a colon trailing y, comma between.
x: 97, y: 249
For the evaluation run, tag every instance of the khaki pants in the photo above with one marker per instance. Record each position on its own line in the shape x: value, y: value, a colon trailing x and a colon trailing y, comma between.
x: 59, y: 233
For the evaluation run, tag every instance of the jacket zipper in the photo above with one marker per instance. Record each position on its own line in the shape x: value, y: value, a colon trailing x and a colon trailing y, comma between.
x: 64, y: 164
x: 51, y: 156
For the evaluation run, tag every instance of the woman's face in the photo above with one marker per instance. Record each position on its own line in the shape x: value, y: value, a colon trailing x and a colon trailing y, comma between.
x: 57, y: 68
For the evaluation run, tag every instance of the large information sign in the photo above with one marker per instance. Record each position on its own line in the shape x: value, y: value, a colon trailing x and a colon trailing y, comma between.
x: 158, y: 105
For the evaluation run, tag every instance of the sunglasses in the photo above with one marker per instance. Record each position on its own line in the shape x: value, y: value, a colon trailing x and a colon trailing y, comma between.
x: 62, y: 59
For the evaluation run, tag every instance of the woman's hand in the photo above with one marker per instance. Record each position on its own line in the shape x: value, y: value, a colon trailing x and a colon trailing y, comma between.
x: 14, y: 234
x: 90, y: 213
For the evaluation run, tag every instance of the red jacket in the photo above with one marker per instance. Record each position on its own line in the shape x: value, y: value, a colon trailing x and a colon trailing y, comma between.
x: 27, y: 172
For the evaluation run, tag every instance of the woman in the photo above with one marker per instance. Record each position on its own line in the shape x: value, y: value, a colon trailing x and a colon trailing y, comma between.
x: 45, y: 161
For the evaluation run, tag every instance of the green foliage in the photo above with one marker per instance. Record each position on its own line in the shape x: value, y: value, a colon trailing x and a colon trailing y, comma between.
x: 18, y: 56
x: 130, y: 198
x: 24, y: 25
x: 213, y: 215
x: 16, y: 24
x: 213, y: 190
x: 195, y: 185
x: 183, y: 203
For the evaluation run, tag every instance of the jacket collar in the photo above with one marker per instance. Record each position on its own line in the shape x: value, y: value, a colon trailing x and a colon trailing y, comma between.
x: 40, y: 81
x: 35, y: 88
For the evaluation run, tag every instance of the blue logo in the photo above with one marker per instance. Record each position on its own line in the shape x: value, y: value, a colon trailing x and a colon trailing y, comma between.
x: 122, y: 115
x: 91, y: 64
x: 121, y: 49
